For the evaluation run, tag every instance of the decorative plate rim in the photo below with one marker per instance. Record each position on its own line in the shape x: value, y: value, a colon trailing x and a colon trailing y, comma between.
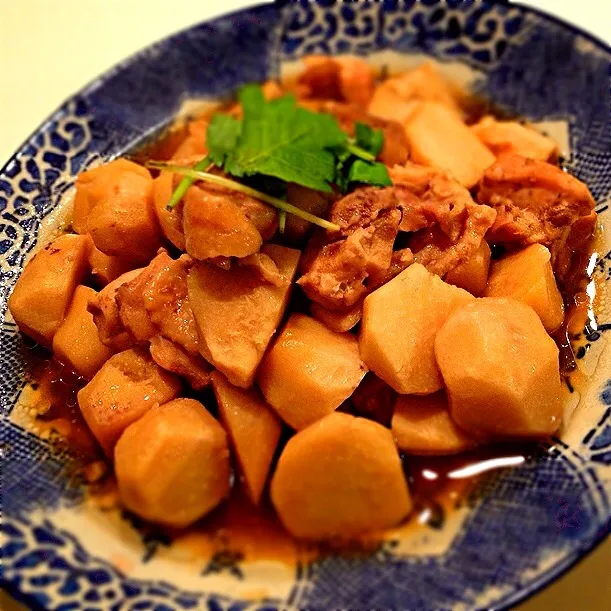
x: 533, y: 586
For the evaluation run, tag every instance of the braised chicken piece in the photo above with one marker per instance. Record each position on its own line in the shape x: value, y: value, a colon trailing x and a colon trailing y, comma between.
x: 337, y: 276
x: 449, y: 227
x: 129, y: 297
x: 215, y: 225
x: 169, y: 220
x: 348, y: 79
x: 166, y: 301
x: 105, y: 310
x: 173, y: 358
x: 536, y: 202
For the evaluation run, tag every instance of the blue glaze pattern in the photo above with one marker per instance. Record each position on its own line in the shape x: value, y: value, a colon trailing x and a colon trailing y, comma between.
x: 523, y: 526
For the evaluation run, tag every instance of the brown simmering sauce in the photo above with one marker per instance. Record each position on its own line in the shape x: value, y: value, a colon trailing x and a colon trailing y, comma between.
x: 237, y: 531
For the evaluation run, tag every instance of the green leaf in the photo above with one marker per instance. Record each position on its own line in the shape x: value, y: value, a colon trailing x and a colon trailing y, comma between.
x: 369, y: 138
x: 280, y: 139
x: 369, y: 173
x: 221, y: 137
x: 236, y: 186
x: 343, y: 160
x: 252, y: 100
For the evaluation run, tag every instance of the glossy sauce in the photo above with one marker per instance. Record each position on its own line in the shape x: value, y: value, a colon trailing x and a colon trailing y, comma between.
x: 56, y: 387
x: 236, y: 530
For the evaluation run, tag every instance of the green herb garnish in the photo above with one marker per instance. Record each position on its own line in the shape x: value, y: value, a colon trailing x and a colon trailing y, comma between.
x: 369, y: 138
x: 368, y: 173
x: 238, y: 186
x: 186, y: 182
x: 278, y: 139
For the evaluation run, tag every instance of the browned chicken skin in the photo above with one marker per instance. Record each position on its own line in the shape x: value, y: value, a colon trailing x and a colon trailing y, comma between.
x: 449, y: 227
x: 536, y: 202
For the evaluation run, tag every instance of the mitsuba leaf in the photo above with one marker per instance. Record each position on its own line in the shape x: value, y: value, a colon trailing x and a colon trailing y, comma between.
x: 278, y: 142
x: 280, y: 139
x: 252, y: 100
x: 222, y: 137
x: 369, y: 173
x: 369, y: 138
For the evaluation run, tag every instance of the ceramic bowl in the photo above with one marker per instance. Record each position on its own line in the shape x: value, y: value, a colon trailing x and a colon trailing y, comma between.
x: 522, y: 528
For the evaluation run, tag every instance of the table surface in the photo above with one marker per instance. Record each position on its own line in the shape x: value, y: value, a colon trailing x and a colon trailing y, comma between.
x: 40, y: 69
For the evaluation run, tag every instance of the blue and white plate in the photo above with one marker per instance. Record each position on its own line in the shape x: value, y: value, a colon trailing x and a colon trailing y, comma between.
x: 525, y: 527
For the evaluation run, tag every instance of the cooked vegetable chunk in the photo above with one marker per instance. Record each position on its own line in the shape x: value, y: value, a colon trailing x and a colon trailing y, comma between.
x: 123, y: 390
x: 501, y: 371
x: 169, y: 220
x: 98, y: 184
x: 339, y: 321
x: 171, y: 357
x: 513, y: 137
x: 105, y: 312
x: 76, y: 342
x: 215, y: 226
x: 386, y: 103
x: 46, y: 285
x: 425, y: 83
x: 340, y: 478
x: 400, y: 321
x: 527, y: 276
x: 237, y: 312
x: 117, y: 210
x: 422, y: 425
x: 172, y: 465
x: 309, y: 371
x: 399, y: 96
x: 472, y: 275
x: 105, y: 268
x: 374, y: 399
x: 254, y: 430
x: 438, y: 137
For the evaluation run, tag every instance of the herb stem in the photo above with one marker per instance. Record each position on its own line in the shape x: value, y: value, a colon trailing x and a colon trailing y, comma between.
x: 357, y: 151
x: 194, y: 175
x: 186, y: 182
x: 281, y: 221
